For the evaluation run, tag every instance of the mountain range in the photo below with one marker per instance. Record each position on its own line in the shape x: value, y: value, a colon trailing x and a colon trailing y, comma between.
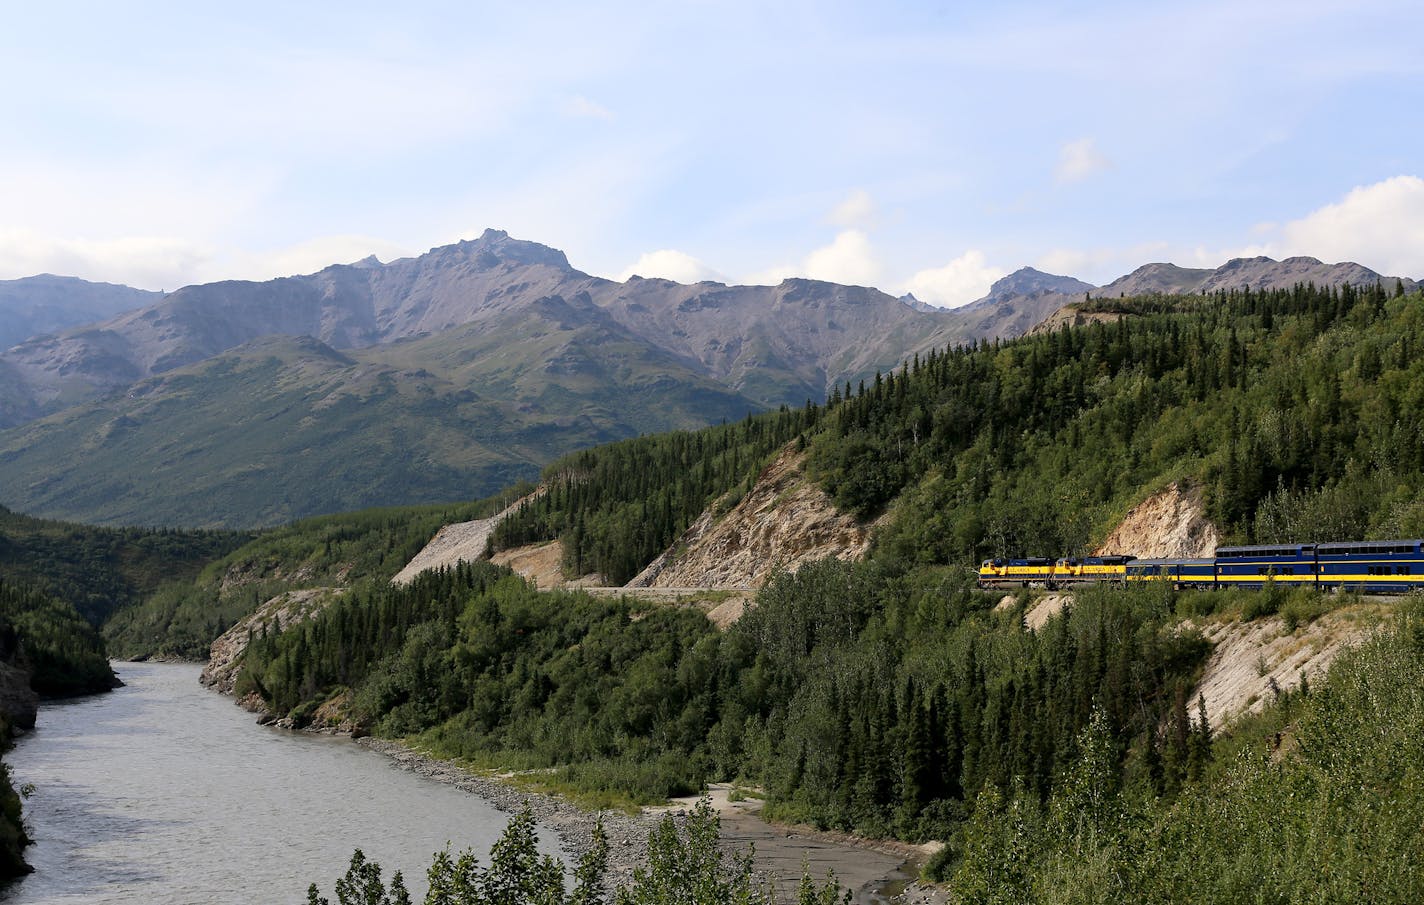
x: 444, y: 376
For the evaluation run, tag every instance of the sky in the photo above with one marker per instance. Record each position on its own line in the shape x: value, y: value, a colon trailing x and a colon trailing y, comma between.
x: 924, y: 147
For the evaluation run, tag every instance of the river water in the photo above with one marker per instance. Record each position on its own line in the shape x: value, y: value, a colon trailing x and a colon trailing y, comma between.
x: 165, y: 793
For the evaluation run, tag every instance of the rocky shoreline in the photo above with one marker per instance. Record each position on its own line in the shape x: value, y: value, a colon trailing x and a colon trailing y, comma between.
x: 627, y: 835
x: 877, y: 873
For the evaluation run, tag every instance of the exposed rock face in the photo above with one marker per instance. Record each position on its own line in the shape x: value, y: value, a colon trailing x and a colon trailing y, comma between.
x: 1168, y: 524
x: 457, y: 543
x: 1045, y: 609
x: 1251, y: 662
x: 784, y: 522
x: 18, y: 702
x: 1071, y: 316
x: 46, y: 303
x: 1020, y: 300
x: 542, y: 566
x: 284, y: 610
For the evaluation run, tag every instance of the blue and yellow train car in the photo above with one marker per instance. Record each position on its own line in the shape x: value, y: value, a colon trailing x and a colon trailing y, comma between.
x: 1366, y: 567
x: 1078, y: 570
x: 1371, y: 567
x: 1252, y: 567
x: 1182, y: 573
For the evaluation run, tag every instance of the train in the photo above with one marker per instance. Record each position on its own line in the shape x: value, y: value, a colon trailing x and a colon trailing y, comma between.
x: 1367, y: 567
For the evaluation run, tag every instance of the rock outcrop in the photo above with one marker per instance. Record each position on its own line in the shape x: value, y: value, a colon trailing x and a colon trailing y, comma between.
x: 1072, y: 316
x: 1169, y: 524
x: 291, y: 608
x: 460, y: 542
x: 18, y: 702
x: 1253, y: 662
x: 542, y: 566
x: 782, y: 523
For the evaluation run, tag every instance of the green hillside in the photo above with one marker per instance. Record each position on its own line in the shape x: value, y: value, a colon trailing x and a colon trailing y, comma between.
x: 1302, y: 413
x: 287, y: 427
x: 889, y: 697
x: 102, y: 570
x: 350, y: 550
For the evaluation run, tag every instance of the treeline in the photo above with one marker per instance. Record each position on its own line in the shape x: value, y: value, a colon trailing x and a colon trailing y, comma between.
x: 617, y: 507
x: 103, y: 570
x: 62, y: 652
x: 1300, y: 410
x: 685, y: 865
x: 861, y: 696
x: 183, y: 617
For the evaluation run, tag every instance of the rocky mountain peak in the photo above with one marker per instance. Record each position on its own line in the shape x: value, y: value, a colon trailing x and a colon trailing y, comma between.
x: 910, y: 300
x: 1026, y: 281
x: 495, y: 247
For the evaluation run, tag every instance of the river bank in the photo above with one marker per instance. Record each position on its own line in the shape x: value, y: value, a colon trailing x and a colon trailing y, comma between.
x: 877, y: 872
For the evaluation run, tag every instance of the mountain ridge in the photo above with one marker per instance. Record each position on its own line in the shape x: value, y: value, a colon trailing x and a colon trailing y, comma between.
x: 472, y: 281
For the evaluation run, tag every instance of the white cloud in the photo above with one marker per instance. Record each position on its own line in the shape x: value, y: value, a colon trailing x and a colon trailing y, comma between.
x: 1103, y: 265
x: 167, y: 262
x: 1077, y: 160
x: 848, y: 259
x: 771, y: 276
x: 1379, y: 225
x: 966, y: 278
x: 584, y: 108
x: 858, y: 209
x: 670, y: 264
x: 146, y: 262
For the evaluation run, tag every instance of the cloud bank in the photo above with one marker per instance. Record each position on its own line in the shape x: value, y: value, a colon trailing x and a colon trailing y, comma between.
x: 963, y: 280
x: 670, y: 264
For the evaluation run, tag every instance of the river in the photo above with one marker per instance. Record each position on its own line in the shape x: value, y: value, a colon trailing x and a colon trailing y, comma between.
x: 164, y: 793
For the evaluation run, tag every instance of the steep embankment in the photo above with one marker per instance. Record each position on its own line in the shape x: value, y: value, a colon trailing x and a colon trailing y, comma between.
x: 1171, y: 523
x: 458, y: 542
x: 784, y: 522
x: 1253, y: 663
x: 277, y: 614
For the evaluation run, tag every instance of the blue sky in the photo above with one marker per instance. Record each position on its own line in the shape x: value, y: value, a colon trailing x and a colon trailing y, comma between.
x: 925, y: 147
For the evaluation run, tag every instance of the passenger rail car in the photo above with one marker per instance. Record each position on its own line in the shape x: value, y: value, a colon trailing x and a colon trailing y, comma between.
x: 1372, y: 567
x: 1182, y: 573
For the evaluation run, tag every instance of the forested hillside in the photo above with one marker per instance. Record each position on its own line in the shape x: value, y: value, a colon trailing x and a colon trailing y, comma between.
x: 1300, y: 410
x: 337, y: 551
x: 863, y: 697
x: 889, y: 697
x: 102, y: 570
x: 63, y: 653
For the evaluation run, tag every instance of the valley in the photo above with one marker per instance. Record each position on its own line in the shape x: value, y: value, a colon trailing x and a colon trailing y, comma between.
x: 784, y: 603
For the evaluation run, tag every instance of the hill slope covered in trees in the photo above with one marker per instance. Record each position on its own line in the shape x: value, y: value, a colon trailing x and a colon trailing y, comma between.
x: 889, y: 697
